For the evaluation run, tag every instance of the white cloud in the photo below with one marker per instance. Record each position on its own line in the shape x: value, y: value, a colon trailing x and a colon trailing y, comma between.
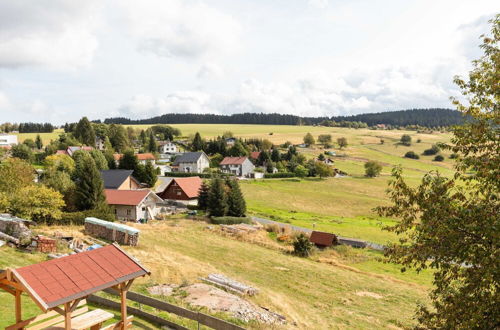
x: 174, y: 28
x: 52, y: 33
x: 210, y: 70
x: 320, y: 4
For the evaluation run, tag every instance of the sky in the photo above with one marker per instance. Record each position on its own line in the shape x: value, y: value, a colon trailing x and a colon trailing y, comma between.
x: 64, y: 59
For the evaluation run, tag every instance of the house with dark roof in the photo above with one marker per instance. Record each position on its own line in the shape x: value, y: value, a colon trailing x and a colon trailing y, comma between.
x: 191, y: 162
x: 120, y: 180
x: 239, y: 166
x: 133, y: 205
x: 183, y: 190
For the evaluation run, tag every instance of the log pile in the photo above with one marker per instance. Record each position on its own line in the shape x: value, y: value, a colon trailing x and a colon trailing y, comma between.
x: 121, y: 234
x: 230, y: 284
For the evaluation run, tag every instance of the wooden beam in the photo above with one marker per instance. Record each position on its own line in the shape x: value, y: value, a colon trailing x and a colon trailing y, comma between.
x: 123, y: 298
x: 129, y: 283
x: 19, y: 317
x: 59, y: 310
x: 67, y: 316
x: 13, y: 284
x: 75, y: 303
x: 8, y: 289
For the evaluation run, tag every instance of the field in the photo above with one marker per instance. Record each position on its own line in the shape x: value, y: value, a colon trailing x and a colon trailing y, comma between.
x: 343, y: 288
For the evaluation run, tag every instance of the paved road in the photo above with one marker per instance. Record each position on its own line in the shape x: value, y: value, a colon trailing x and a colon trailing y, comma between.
x: 342, y: 240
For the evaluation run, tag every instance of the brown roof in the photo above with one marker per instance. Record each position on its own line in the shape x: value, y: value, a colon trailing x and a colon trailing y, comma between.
x: 323, y: 239
x: 146, y: 156
x: 233, y: 160
x: 255, y: 154
x: 190, y: 185
x: 58, y: 281
x: 61, y: 152
x: 117, y: 156
x: 126, y: 197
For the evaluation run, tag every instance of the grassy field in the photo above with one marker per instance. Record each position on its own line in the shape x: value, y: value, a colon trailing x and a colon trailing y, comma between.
x: 335, y: 289
x: 46, y: 137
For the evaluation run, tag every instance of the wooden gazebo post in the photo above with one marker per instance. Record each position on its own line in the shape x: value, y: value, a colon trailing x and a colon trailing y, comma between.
x: 19, y: 317
x: 123, y: 288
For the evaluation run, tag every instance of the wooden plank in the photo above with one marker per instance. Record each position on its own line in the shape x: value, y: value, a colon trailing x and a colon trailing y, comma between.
x: 88, y: 319
x: 137, y: 312
x: 58, y: 319
x: 123, y: 299
x: 118, y: 324
x: 67, y: 316
x: 18, y: 306
x: 217, y: 323
x: 8, y: 289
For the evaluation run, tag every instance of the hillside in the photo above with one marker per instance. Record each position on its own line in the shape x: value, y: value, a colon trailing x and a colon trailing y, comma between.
x: 421, y: 117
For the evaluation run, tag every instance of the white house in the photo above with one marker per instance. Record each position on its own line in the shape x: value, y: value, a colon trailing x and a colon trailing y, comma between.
x: 133, y: 205
x: 7, y: 140
x: 239, y: 166
x: 191, y: 162
x: 168, y: 148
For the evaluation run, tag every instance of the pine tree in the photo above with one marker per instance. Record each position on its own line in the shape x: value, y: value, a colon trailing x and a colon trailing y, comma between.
x: 38, y: 142
x: 89, y: 185
x: 128, y: 161
x: 236, y: 205
x: 275, y: 155
x: 217, y: 198
x: 150, y: 174
x: 84, y: 132
x: 152, y: 146
x: 198, y: 143
x: 203, y: 194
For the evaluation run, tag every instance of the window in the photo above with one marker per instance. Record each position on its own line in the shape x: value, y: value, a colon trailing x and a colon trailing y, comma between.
x: 116, y: 211
x: 143, y: 208
x: 129, y: 212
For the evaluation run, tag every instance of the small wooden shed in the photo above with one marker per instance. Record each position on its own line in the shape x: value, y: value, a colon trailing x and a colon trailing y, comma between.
x: 322, y: 239
x: 60, y: 285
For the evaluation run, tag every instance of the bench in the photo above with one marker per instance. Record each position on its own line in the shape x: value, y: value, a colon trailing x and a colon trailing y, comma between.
x: 81, y: 318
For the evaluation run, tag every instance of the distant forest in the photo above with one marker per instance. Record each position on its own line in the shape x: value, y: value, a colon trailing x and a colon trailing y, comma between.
x: 420, y: 117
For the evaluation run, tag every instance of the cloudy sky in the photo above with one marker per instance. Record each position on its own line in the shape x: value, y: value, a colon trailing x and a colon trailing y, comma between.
x: 62, y: 59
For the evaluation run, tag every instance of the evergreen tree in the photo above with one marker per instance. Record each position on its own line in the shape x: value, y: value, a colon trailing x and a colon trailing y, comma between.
x: 263, y: 158
x: 150, y: 175
x: 203, y: 194
x: 99, y: 159
x: 38, y: 142
x: 128, y: 161
x: 89, y: 185
x: 84, y: 132
x: 198, y: 143
x: 217, y: 198
x: 118, y: 137
x: 152, y: 146
x: 238, y: 150
x: 309, y: 139
x: 275, y: 155
x: 236, y: 205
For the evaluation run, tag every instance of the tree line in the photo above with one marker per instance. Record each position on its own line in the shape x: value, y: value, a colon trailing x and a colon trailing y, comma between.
x: 27, y: 127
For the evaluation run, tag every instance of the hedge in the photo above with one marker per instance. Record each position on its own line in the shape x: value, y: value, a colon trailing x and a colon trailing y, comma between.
x: 230, y: 220
x: 78, y: 218
x: 201, y: 175
x: 279, y: 175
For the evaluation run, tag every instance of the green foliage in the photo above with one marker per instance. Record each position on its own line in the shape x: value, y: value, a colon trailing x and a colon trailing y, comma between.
x: 412, y: 155
x: 203, y: 196
x: 99, y: 159
x: 128, y: 161
x: 275, y: 155
x: 309, y: 139
x: 342, y: 142
x: 152, y: 146
x: 431, y: 151
x: 78, y: 218
x: 325, y: 138
x: 372, y: 169
x: 22, y: 151
x: 279, y: 175
x: 405, y: 140
x: 238, y: 150
x: 30, y: 143
x: 84, y: 132
x: 118, y: 137
x: 451, y: 224
x: 301, y: 246
x: 217, y: 199
x: 321, y: 157
x: 215, y: 160
x: 149, y: 174
x: 301, y: 171
x: 37, y: 203
x: 236, y: 206
x: 438, y: 158
x: 89, y: 185
x: 198, y: 143
x: 322, y: 170
x: 15, y: 174
x: 230, y: 220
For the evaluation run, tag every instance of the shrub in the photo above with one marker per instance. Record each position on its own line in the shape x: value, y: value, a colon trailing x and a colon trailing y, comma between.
x: 406, y: 140
x: 279, y: 175
x: 412, y: 155
x: 230, y: 220
x: 453, y: 156
x: 372, y: 169
x: 438, y: 158
x: 301, y: 245
x: 432, y: 151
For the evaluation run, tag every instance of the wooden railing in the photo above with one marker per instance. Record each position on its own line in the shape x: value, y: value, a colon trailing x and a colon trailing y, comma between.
x: 201, y: 318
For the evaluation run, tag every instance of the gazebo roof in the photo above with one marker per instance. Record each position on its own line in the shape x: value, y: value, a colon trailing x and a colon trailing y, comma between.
x: 58, y: 281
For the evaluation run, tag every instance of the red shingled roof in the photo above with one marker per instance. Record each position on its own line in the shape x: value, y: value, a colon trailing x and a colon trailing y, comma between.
x: 323, y: 239
x: 255, y: 154
x: 146, y: 156
x: 233, y: 160
x: 126, y: 197
x: 58, y: 281
x: 190, y: 185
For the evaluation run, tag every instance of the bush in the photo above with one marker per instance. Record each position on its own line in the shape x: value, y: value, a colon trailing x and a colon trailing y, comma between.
x: 279, y: 175
x: 78, y: 218
x: 372, y: 169
x: 453, y: 156
x: 192, y: 207
x: 432, y: 151
x: 405, y: 140
x: 230, y: 220
x: 301, y: 245
x: 438, y: 158
x: 412, y: 155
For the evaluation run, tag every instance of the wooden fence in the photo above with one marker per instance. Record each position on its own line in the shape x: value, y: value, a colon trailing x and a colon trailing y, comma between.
x: 201, y: 318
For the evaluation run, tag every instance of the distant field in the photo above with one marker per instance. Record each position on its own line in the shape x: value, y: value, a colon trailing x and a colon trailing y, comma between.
x: 46, y: 137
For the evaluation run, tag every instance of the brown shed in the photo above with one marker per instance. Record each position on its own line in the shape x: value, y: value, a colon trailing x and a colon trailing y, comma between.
x: 322, y: 239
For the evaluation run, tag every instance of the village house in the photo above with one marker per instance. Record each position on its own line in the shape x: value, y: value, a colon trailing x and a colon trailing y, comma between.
x: 119, y: 180
x: 142, y: 158
x: 254, y: 155
x: 239, y: 166
x: 133, y: 205
x: 99, y: 143
x: 182, y: 190
x: 72, y: 149
x: 167, y: 147
x: 230, y: 141
x: 7, y: 141
x: 191, y: 162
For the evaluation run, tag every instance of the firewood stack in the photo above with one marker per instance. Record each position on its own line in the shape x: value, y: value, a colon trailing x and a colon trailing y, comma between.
x: 121, y: 234
x: 45, y: 244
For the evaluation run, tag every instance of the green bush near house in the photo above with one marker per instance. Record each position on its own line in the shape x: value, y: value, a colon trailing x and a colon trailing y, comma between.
x: 230, y: 220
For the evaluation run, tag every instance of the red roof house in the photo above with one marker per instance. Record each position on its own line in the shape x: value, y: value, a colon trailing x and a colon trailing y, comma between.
x: 182, y: 189
x: 133, y: 205
x: 255, y: 154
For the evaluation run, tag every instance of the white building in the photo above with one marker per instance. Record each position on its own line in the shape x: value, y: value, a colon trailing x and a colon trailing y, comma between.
x: 168, y: 148
x: 7, y: 140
